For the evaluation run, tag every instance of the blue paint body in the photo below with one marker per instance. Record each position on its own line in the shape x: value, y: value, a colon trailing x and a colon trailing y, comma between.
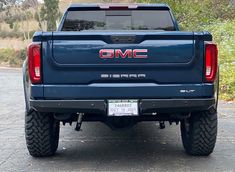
x: 72, y: 69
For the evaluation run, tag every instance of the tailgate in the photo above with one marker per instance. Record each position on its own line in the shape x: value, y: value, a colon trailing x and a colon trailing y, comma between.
x: 169, y: 57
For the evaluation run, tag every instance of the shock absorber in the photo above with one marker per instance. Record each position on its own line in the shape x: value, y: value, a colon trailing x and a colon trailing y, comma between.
x: 79, y: 122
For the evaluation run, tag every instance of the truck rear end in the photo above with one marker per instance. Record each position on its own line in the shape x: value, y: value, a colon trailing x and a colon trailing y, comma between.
x: 123, y: 64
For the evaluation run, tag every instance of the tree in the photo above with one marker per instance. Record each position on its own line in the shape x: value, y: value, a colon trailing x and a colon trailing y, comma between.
x: 50, y: 13
x: 18, y: 11
x: 8, y: 3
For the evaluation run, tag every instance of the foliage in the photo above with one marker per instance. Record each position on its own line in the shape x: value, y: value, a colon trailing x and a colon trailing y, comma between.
x: 194, y: 14
x: 10, y: 34
x: 12, y: 57
x: 16, y: 27
x: 224, y: 35
x: 227, y: 82
x: 7, y: 4
x: 15, y: 34
x: 16, y: 16
x: 14, y: 11
x: 50, y: 13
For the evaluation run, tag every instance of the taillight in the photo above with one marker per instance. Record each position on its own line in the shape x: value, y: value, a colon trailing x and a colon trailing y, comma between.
x: 211, y: 61
x: 34, y: 63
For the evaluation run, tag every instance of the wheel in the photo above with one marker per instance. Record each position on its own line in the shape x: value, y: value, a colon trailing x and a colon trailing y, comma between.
x: 41, y: 133
x: 199, y: 133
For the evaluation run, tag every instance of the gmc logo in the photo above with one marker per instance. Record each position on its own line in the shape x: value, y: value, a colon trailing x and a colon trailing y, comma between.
x: 129, y: 53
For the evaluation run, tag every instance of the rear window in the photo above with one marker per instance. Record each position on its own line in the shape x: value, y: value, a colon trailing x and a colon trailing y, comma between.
x: 118, y: 20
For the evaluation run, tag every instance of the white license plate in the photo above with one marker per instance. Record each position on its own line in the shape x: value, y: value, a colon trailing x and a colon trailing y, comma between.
x: 123, y: 108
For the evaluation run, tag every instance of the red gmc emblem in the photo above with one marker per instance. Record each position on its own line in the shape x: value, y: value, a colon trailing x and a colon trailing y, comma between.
x: 129, y: 53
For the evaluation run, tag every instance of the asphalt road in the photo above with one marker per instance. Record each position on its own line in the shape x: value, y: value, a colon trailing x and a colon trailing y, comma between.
x: 97, y: 148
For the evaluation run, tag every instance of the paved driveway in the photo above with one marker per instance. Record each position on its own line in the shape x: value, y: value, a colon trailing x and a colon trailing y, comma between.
x: 97, y: 148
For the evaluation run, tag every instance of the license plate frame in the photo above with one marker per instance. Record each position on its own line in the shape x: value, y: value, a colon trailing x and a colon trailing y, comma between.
x: 123, y: 107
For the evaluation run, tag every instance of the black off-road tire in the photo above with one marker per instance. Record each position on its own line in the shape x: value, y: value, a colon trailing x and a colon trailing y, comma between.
x: 41, y: 133
x: 199, y: 133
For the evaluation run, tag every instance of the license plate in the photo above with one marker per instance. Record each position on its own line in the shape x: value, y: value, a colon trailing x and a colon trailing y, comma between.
x: 123, y: 108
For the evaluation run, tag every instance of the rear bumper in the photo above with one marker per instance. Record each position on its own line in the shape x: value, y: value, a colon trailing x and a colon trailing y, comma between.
x: 99, y: 91
x: 145, y: 105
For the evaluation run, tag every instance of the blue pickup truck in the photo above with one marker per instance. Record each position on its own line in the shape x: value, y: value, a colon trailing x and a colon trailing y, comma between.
x: 120, y: 65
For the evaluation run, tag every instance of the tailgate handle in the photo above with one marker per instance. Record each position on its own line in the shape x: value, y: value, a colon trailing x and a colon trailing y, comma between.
x: 123, y: 39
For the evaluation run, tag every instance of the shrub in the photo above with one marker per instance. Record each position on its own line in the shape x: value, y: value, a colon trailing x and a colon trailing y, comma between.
x: 15, y: 34
x: 227, y: 82
x: 224, y: 35
x: 22, y: 54
x: 9, y: 34
x: 12, y: 57
x: 194, y: 14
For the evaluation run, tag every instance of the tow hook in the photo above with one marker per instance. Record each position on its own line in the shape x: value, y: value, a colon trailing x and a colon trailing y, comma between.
x: 161, y: 124
x: 79, y: 122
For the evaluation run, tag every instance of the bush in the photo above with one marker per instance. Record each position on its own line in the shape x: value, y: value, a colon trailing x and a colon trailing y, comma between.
x: 224, y: 35
x: 194, y: 14
x: 9, y: 34
x: 227, y: 82
x: 15, y: 34
x: 12, y: 57
x: 22, y: 54
x: 18, y: 16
